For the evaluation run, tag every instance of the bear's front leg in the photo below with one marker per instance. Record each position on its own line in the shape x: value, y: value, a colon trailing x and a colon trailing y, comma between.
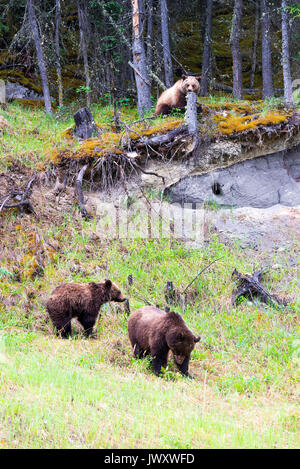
x: 184, y: 367
x: 159, y: 360
x: 88, y: 323
x: 157, y: 364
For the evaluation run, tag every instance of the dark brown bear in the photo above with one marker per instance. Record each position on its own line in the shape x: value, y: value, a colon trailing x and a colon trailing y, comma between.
x: 176, y: 95
x: 156, y: 332
x: 82, y: 301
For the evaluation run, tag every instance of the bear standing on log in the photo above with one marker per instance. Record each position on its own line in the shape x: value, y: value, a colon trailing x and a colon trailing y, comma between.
x: 153, y: 331
x: 82, y: 301
x: 176, y: 95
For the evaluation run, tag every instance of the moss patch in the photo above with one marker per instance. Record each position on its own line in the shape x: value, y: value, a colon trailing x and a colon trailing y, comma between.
x: 111, y: 142
x: 230, y: 125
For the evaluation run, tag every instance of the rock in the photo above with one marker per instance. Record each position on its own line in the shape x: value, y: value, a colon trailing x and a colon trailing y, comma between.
x: 17, y: 91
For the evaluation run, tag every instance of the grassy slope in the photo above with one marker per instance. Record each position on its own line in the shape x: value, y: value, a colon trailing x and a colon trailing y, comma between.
x: 92, y: 393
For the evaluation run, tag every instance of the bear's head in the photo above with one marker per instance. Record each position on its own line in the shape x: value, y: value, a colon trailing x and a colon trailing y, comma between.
x: 190, y: 83
x: 181, y: 342
x: 114, y: 292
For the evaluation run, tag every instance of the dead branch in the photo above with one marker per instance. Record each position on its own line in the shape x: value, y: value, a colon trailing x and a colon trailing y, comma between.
x: 201, y: 272
x: 20, y: 197
x: 139, y: 74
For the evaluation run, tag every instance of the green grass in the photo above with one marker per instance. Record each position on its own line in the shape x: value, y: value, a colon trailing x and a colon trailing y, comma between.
x: 93, y: 393
x: 34, y: 136
x: 59, y: 394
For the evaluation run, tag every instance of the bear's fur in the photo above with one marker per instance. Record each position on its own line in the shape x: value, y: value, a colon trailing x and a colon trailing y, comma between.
x: 152, y: 331
x: 176, y: 95
x: 82, y: 301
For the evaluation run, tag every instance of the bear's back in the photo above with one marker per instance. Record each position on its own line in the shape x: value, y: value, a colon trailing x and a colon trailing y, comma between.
x: 143, y: 321
x: 68, y: 296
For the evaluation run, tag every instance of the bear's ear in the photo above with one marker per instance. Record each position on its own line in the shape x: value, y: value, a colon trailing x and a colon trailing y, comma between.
x: 198, y: 77
x: 184, y: 77
x: 108, y: 283
x: 196, y: 339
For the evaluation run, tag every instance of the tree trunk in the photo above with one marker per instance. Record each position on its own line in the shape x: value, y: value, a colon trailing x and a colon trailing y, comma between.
x: 287, y: 78
x: 139, y: 61
x: 82, y: 20
x: 235, y: 48
x: 254, y: 46
x: 206, y: 59
x: 166, y: 43
x: 40, y: 56
x: 58, y: 65
x: 268, y: 89
x: 149, y: 35
x: 203, y: 4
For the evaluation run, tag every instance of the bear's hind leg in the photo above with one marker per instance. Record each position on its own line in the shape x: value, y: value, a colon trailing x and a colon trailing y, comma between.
x: 138, y: 352
x: 64, y: 329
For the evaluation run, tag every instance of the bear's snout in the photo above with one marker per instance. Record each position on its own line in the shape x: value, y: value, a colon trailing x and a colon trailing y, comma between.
x: 179, y: 359
x: 121, y: 299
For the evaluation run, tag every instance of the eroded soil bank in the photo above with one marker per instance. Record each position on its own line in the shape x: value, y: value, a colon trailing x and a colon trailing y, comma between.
x: 260, y: 182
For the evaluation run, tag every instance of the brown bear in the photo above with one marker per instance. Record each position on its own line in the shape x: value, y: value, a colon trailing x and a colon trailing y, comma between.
x: 176, y: 95
x: 82, y: 301
x: 153, y: 331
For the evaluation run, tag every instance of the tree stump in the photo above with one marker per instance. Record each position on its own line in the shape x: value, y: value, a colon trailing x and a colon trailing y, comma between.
x: 191, y: 113
x: 85, y: 126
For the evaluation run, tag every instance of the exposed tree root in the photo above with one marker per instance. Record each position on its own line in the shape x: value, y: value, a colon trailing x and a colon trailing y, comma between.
x: 79, y: 194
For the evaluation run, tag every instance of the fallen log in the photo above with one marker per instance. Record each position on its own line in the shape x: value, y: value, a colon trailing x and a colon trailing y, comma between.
x: 162, y: 139
x: 222, y: 87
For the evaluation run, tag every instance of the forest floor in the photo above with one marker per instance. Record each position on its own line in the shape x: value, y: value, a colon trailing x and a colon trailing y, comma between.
x: 81, y: 393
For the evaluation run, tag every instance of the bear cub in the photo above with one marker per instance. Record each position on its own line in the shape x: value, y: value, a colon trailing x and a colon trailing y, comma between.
x: 82, y: 301
x: 176, y: 95
x: 152, y: 331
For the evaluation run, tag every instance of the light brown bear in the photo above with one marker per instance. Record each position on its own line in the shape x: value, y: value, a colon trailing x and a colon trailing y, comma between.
x: 176, y: 95
x: 152, y: 331
x: 82, y: 301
